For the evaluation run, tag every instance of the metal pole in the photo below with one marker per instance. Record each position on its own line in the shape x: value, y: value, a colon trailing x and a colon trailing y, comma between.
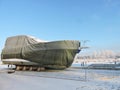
x: 85, y: 67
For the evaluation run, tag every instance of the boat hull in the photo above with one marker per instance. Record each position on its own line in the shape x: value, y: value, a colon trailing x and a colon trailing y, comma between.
x: 52, y: 55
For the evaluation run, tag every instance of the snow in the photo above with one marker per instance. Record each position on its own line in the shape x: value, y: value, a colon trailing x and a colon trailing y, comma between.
x: 69, y: 79
x: 36, y: 39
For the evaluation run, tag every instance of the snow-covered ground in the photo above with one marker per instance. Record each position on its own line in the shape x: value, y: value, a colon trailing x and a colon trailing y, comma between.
x: 69, y: 79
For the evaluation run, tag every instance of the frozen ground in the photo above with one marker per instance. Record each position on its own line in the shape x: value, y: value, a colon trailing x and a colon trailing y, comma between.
x: 69, y: 79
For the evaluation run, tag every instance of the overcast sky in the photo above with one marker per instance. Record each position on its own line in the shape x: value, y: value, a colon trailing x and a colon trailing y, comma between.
x: 95, y: 20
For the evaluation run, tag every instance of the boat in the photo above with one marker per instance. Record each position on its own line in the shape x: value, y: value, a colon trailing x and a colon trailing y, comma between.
x: 27, y: 51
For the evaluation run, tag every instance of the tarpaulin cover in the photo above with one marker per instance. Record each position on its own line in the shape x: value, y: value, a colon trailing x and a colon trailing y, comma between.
x: 54, y: 54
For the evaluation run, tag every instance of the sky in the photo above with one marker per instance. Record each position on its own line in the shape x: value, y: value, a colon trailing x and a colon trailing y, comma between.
x: 97, y: 21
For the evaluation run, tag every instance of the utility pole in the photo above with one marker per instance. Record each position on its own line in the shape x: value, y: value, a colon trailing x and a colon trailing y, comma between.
x: 85, y: 58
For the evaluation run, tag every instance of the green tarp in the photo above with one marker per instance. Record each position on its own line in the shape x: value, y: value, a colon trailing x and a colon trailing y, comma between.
x: 55, y: 54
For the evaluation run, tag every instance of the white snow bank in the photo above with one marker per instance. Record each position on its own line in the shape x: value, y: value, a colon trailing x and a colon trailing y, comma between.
x: 69, y: 79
